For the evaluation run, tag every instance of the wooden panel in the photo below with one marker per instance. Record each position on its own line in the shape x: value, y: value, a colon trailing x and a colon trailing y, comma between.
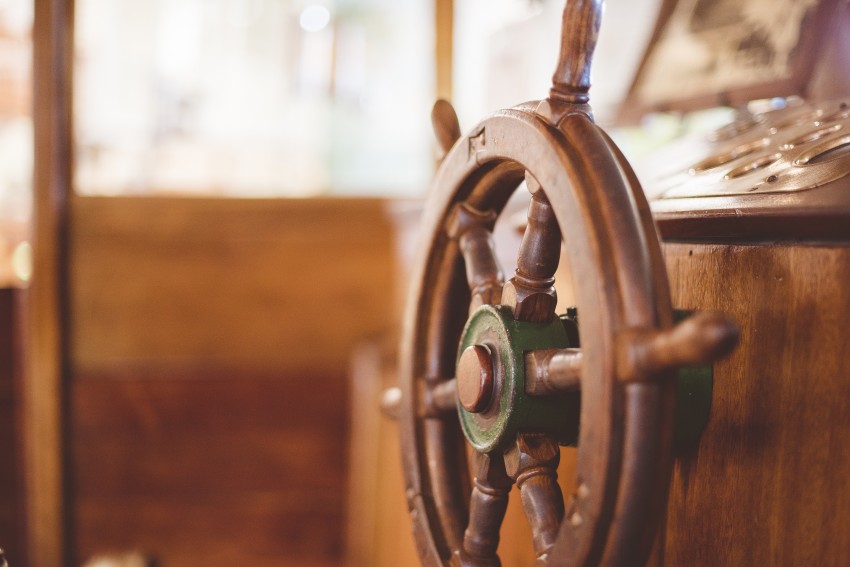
x: 210, y: 342
x: 769, y: 484
x: 11, y: 503
x: 288, y: 285
x: 211, y: 470
x: 43, y: 392
x: 378, y: 526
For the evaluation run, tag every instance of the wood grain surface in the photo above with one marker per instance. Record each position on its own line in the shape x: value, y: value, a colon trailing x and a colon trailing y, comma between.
x: 768, y: 484
x: 43, y: 393
x: 211, y: 469
x: 210, y: 344
x: 11, y: 501
x: 289, y: 285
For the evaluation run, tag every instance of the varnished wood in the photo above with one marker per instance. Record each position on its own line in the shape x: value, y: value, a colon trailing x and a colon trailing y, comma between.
x: 768, y: 484
x: 44, y: 389
x: 581, y: 184
x: 283, y: 285
x: 378, y: 526
x: 579, y: 32
x: 211, y: 341
x: 531, y: 292
x: 488, y: 504
x: 442, y: 398
x: 473, y: 231
x: 160, y: 459
x: 553, y: 371
x: 11, y: 478
x: 475, y: 378
x: 699, y: 340
x: 390, y: 402
x: 437, y: 508
x: 533, y: 464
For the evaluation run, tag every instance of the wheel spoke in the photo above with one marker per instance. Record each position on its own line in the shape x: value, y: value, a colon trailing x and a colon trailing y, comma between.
x: 488, y: 503
x: 472, y: 229
x: 531, y: 292
x: 391, y: 402
x: 532, y: 462
x: 700, y: 339
x: 446, y: 125
x: 441, y: 400
x: 552, y: 371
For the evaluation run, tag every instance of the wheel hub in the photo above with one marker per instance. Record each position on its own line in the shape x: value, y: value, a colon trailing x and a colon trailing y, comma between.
x: 475, y: 378
x: 492, y: 402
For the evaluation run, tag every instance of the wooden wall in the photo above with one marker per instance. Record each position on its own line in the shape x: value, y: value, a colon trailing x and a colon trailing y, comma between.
x: 11, y: 505
x: 209, y: 350
x: 769, y: 483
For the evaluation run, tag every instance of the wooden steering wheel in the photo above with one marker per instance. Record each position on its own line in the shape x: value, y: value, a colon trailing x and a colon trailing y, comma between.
x: 519, y: 384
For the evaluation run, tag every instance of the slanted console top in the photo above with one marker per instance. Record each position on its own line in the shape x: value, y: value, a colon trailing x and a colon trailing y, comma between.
x: 777, y: 174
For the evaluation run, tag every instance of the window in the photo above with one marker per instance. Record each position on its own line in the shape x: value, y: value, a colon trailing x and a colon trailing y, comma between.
x: 242, y: 98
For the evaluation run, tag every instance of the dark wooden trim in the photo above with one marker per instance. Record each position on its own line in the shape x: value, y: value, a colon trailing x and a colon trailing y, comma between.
x: 11, y: 474
x: 732, y: 226
x: 818, y: 214
x: 43, y: 393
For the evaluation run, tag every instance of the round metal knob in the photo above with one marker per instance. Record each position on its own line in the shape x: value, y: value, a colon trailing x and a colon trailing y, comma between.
x: 475, y: 378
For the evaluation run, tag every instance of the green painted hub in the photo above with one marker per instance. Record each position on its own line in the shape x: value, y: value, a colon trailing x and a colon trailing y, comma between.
x: 693, y: 398
x: 511, y: 409
x: 694, y: 387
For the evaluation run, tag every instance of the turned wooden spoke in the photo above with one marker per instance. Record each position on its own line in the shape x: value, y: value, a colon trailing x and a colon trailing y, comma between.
x: 472, y: 229
x: 488, y: 503
x: 391, y: 402
x: 531, y: 292
x: 482, y: 269
x: 442, y: 399
x: 553, y: 371
x: 533, y: 464
x: 438, y: 400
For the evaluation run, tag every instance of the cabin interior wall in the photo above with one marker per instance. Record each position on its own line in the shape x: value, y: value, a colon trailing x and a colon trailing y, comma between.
x: 209, y: 352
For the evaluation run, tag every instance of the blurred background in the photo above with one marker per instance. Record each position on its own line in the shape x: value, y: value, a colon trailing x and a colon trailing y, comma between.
x: 246, y: 179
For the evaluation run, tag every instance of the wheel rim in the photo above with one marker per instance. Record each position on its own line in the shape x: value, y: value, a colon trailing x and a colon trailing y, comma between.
x: 623, y: 459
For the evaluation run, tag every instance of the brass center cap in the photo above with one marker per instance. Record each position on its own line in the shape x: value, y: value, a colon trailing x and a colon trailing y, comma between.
x: 475, y: 378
